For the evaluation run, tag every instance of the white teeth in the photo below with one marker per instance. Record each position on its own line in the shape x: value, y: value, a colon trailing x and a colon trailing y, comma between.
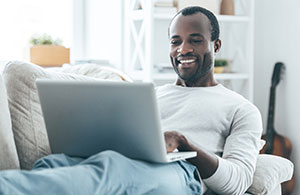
x: 187, y: 61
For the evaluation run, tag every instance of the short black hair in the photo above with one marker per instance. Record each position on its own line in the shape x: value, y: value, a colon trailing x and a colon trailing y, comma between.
x: 215, y: 29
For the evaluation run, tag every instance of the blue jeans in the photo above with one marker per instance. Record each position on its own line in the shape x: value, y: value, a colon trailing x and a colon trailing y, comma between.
x: 105, y: 173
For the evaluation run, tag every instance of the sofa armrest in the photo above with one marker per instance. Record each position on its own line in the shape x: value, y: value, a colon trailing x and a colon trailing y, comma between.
x: 8, y: 153
x: 270, y: 172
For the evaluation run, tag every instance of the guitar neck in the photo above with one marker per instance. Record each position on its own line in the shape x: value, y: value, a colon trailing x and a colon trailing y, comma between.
x: 270, y: 122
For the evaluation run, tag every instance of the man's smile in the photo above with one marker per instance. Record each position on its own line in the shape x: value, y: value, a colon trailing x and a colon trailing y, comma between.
x: 186, y: 62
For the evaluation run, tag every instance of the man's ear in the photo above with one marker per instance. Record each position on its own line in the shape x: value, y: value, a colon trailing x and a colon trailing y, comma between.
x: 217, y: 45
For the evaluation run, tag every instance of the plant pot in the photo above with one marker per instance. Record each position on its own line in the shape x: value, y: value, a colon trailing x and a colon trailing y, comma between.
x: 49, y: 55
x: 219, y: 69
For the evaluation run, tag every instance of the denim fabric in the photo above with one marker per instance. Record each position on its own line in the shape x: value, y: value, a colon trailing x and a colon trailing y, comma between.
x: 105, y: 173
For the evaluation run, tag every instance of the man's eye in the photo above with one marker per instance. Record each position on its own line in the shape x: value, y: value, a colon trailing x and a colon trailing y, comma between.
x: 197, y: 41
x: 174, y: 42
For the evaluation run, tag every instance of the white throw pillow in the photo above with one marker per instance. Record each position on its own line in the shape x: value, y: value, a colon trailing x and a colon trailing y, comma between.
x: 8, y: 153
x: 27, y: 119
x: 270, y: 171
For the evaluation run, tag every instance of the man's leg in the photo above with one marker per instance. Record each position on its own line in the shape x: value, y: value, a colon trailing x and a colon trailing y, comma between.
x: 138, y: 177
x: 55, y: 161
x: 104, y: 173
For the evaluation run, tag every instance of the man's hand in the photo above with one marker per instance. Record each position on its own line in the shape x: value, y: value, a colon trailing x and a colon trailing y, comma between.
x: 175, y: 140
x: 206, y: 163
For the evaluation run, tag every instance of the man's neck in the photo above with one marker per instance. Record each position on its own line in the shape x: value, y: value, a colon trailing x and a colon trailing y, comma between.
x: 207, y: 81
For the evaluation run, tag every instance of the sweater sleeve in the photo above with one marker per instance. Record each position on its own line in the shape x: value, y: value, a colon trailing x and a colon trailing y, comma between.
x: 236, y: 167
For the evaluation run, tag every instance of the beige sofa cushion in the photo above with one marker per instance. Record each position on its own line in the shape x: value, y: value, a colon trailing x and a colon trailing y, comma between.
x: 8, y: 153
x: 270, y: 171
x: 27, y: 120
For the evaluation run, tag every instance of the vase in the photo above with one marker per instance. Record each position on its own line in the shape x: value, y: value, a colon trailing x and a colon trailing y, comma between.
x: 227, y: 7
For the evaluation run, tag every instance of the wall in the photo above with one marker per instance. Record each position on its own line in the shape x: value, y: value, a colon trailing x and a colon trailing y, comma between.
x: 277, y: 31
x: 103, y: 27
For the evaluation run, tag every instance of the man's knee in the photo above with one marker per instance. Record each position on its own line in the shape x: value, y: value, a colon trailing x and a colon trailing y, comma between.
x: 54, y: 160
x: 110, y: 163
x: 108, y: 157
x: 112, y: 154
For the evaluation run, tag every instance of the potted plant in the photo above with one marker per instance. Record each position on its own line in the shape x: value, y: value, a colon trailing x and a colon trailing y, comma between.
x: 220, y: 65
x: 46, y: 51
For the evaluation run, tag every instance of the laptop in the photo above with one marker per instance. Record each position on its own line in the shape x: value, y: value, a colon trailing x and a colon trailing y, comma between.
x: 86, y: 117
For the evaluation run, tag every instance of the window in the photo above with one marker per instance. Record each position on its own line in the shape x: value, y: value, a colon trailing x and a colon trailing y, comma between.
x: 91, y: 28
x: 20, y: 19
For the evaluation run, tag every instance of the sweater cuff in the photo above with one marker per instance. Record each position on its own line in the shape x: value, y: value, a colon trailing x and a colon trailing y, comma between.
x: 217, y: 180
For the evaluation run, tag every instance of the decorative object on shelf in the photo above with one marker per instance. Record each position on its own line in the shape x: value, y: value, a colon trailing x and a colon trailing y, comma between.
x: 212, y: 5
x: 222, y: 66
x: 48, y: 52
x: 227, y: 7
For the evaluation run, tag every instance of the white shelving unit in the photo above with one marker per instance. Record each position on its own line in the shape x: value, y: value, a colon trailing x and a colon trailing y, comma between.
x: 146, y: 44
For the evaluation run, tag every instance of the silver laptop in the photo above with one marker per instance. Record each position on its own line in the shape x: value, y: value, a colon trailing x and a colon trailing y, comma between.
x: 86, y: 117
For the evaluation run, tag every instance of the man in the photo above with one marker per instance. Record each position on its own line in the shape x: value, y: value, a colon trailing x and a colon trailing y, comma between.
x: 210, y: 119
x: 222, y: 126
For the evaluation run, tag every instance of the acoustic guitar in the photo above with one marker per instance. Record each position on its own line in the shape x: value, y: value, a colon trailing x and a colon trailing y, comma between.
x: 277, y: 144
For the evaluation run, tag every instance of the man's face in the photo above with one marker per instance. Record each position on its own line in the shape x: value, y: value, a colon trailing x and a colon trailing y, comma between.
x: 191, y: 48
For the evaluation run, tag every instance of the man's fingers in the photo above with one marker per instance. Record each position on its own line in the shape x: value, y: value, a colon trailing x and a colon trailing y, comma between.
x: 170, y: 146
x: 171, y: 140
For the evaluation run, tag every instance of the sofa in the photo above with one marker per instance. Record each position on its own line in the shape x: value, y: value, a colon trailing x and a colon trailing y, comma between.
x: 23, y: 137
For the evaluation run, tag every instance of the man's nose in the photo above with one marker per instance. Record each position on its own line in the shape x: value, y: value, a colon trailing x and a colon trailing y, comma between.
x: 184, y: 49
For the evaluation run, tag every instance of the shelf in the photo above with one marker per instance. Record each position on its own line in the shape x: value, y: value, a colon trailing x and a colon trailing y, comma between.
x: 221, y: 18
x: 223, y: 76
x: 139, y: 15
x: 232, y: 76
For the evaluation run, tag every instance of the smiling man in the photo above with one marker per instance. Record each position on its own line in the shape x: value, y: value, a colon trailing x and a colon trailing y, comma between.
x: 193, y: 44
x: 222, y: 126
x: 197, y: 113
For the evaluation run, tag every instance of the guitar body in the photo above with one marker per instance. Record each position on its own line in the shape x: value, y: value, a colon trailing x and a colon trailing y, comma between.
x: 281, y: 146
x: 277, y: 144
